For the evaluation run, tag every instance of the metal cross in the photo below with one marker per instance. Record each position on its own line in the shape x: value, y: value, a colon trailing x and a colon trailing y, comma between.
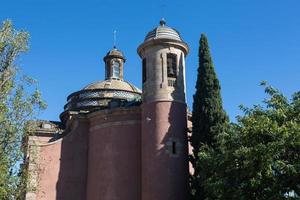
x: 163, y: 10
x: 115, y: 38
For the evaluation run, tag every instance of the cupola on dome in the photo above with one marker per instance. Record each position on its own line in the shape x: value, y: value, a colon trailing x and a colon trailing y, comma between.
x: 163, y: 31
x: 114, y: 91
x: 114, y: 53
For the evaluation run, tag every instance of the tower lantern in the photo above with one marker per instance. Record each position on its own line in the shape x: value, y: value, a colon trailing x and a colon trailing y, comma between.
x: 114, y: 63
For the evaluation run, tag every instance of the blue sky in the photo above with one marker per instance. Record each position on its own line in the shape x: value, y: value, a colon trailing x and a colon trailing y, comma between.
x: 250, y: 41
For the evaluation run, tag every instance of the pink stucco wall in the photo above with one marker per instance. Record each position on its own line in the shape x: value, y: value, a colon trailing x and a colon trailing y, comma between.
x: 71, y: 184
x: 48, y: 168
x: 61, y: 166
x: 164, y: 172
x: 114, y: 156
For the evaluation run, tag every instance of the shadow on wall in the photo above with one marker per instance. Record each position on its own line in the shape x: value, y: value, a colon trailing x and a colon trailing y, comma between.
x: 71, y: 183
x: 165, y: 147
x: 176, y: 139
x: 176, y: 146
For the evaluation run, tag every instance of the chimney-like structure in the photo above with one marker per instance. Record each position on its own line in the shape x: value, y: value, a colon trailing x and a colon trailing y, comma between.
x: 164, y: 144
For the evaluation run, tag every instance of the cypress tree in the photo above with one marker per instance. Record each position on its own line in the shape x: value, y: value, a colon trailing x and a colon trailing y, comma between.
x: 209, y: 119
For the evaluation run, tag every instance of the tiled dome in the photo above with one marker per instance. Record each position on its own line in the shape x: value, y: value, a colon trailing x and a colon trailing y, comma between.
x: 113, y: 84
x: 101, y: 94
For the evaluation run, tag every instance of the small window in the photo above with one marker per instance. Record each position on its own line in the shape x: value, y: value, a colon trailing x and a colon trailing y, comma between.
x: 107, y: 70
x: 116, y: 70
x: 144, y: 71
x: 172, y: 65
x: 173, y: 147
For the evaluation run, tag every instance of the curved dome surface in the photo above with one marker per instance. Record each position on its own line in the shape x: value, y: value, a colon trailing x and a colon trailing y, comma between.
x: 163, y: 31
x: 114, y: 84
x: 115, y: 53
x: 105, y: 94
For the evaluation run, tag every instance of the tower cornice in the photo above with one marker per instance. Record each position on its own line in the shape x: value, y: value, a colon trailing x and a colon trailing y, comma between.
x: 163, y: 41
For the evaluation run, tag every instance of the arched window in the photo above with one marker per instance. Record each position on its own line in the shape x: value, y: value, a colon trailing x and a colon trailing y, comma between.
x: 116, y: 70
x: 172, y: 65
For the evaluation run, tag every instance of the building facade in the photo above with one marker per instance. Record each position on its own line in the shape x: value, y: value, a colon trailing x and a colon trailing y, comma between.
x: 114, y: 141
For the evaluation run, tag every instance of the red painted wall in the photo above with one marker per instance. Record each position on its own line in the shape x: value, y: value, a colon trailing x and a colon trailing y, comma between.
x: 62, y: 167
x: 71, y: 183
x: 114, y: 156
x: 164, y: 172
x: 119, y: 154
x: 48, y: 170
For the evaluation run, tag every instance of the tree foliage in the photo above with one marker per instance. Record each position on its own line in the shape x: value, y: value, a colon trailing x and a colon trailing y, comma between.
x: 209, y: 119
x: 259, y: 158
x: 19, y: 102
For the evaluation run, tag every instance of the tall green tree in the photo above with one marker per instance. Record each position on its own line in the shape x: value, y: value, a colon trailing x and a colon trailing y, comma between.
x: 209, y: 119
x: 19, y: 102
x: 260, y: 157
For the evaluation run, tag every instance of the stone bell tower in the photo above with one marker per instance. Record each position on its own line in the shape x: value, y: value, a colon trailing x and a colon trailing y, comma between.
x: 164, y: 117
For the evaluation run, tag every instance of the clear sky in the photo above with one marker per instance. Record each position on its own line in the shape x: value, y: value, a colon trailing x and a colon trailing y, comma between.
x: 250, y: 41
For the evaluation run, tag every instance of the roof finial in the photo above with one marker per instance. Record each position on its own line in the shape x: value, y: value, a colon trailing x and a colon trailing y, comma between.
x: 115, y: 39
x: 162, y: 22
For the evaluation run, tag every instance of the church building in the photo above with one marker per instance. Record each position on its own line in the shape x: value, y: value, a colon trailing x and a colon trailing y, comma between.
x: 116, y: 141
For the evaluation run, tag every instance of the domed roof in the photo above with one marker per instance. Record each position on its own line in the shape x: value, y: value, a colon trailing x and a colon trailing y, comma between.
x: 113, y: 84
x: 163, y: 31
x: 111, y: 93
x: 102, y: 94
x: 114, y: 52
